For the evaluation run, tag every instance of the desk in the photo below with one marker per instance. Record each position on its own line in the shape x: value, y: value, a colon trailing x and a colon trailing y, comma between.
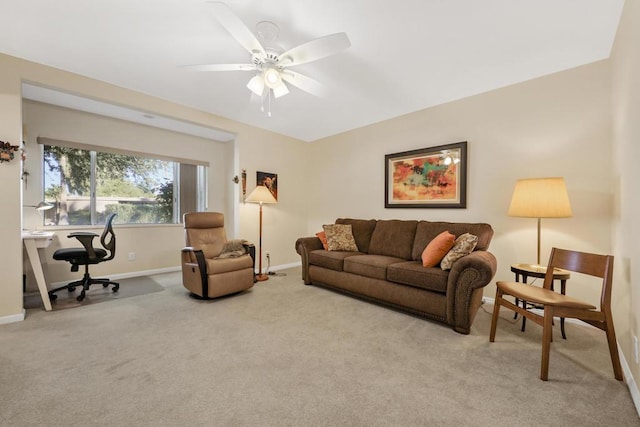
x: 32, y: 242
x: 537, y: 271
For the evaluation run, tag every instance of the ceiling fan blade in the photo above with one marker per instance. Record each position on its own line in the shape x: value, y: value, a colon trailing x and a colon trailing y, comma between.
x: 303, y: 82
x: 315, y: 49
x: 221, y: 67
x: 236, y: 28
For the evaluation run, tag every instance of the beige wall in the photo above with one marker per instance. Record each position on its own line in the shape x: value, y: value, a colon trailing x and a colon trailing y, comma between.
x: 557, y: 125
x: 625, y: 60
x: 253, y: 149
x: 10, y: 197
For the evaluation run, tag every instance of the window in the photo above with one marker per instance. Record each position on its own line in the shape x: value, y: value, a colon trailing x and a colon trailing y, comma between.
x: 86, y: 185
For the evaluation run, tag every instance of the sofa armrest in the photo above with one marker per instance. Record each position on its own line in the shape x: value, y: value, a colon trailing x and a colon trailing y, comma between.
x: 467, y: 277
x: 304, y: 246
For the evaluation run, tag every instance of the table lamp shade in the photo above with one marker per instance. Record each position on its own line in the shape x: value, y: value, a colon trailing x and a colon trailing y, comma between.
x: 540, y: 198
x: 261, y: 194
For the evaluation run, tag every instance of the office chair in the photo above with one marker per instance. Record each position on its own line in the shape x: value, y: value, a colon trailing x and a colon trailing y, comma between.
x: 86, y: 256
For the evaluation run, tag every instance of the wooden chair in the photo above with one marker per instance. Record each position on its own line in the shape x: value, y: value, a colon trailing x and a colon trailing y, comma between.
x: 559, y: 305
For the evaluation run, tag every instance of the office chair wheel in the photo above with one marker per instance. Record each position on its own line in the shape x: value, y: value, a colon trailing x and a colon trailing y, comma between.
x: 71, y: 289
x: 104, y: 285
x: 53, y: 297
x: 80, y: 297
x: 115, y: 287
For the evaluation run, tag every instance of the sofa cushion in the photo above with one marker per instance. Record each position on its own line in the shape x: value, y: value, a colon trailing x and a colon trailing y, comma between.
x: 464, y: 245
x: 394, y: 238
x: 374, y: 266
x: 426, y: 231
x: 362, y: 230
x: 340, y: 237
x: 437, y: 249
x: 332, y: 260
x: 224, y: 265
x: 412, y: 273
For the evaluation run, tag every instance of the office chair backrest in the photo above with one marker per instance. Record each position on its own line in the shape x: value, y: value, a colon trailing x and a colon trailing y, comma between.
x: 109, y: 234
x: 205, y: 231
x: 580, y: 262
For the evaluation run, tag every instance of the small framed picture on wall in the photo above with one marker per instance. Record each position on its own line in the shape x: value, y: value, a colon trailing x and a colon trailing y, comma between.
x: 269, y: 180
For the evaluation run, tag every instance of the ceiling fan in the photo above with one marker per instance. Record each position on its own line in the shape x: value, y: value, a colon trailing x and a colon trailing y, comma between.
x: 270, y: 65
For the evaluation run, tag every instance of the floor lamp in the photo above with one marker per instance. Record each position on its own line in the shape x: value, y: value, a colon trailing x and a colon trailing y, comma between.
x: 540, y: 198
x: 261, y: 195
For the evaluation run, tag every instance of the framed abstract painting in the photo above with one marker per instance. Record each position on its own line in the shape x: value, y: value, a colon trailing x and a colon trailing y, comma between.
x: 434, y: 177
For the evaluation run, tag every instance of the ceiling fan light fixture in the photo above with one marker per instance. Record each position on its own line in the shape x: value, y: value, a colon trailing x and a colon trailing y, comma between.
x: 256, y: 85
x: 280, y: 90
x: 272, y: 77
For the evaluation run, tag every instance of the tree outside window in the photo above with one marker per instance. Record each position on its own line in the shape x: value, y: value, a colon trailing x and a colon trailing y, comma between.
x: 86, y: 186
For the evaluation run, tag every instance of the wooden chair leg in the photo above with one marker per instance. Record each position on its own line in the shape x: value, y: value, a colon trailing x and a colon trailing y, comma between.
x: 547, y: 334
x: 494, y: 317
x: 613, y: 347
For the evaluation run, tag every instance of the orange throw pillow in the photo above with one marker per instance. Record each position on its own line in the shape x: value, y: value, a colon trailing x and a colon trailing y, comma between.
x: 323, y: 238
x: 437, y: 249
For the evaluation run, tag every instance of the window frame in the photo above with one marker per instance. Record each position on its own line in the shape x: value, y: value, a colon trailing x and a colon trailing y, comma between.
x: 200, y: 190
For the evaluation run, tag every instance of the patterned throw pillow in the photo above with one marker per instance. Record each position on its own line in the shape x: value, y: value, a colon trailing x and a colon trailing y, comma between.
x: 340, y: 237
x: 437, y: 249
x: 464, y: 245
x: 323, y: 238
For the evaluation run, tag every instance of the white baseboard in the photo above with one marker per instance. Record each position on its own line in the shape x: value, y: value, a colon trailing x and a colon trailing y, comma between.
x: 626, y: 371
x: 285, y: 266
x: 631, y: 382
x: 13, y: 318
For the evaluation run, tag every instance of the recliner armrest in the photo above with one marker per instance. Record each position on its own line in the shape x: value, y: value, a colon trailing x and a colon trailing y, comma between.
x: 251, y: 250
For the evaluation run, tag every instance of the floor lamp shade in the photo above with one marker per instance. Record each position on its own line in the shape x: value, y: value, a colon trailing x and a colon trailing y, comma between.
x: 540, y: 198
x: 261, y: 195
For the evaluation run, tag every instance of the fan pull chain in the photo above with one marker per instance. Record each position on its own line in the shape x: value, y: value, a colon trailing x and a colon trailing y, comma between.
x: 269, y: 113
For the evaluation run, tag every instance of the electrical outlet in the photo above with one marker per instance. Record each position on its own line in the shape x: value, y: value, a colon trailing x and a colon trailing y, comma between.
x: 132, y: 256
x: 635, y: 347
x: 268, y: 256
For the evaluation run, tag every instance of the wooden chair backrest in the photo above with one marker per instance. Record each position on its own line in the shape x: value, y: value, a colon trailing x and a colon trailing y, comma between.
x: 586, y: 263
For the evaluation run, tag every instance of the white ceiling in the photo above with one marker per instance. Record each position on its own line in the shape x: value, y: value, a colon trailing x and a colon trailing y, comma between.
x: 406, y: 55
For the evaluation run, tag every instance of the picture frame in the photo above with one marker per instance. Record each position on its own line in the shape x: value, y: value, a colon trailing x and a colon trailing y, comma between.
x: 433, y: 177
x: 269, y: 180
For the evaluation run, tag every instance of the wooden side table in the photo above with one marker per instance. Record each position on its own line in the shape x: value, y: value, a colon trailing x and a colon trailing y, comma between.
x: 537, y: 271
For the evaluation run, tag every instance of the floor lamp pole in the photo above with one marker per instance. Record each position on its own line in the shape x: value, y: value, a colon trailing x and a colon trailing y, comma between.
x: 261, y: 276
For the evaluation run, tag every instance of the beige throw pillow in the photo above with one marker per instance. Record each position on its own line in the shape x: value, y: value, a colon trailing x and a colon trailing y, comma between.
x: 464, y: 245
x: 340, y: 237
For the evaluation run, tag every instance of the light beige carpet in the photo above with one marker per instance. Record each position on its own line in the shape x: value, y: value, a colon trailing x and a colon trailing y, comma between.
x: 285, y: 354
x: 96, y: 294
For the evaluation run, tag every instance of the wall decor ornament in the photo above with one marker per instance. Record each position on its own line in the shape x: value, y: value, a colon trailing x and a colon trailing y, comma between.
x: 7, y: 151
x: 433, y: 177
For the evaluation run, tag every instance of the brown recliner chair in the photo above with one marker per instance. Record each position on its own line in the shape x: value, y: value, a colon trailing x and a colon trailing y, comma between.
x: 207, y: 272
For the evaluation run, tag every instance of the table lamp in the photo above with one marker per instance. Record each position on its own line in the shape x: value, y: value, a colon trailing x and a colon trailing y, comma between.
x: 540, y: 198
x: 261, y: 194
x: 41, y: 207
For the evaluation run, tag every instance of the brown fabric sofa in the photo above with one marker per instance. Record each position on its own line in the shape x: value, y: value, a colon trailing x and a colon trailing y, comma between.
x: 388, y: 269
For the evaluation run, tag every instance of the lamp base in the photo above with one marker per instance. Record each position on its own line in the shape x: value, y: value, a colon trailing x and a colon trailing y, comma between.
x: 261, y: 277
